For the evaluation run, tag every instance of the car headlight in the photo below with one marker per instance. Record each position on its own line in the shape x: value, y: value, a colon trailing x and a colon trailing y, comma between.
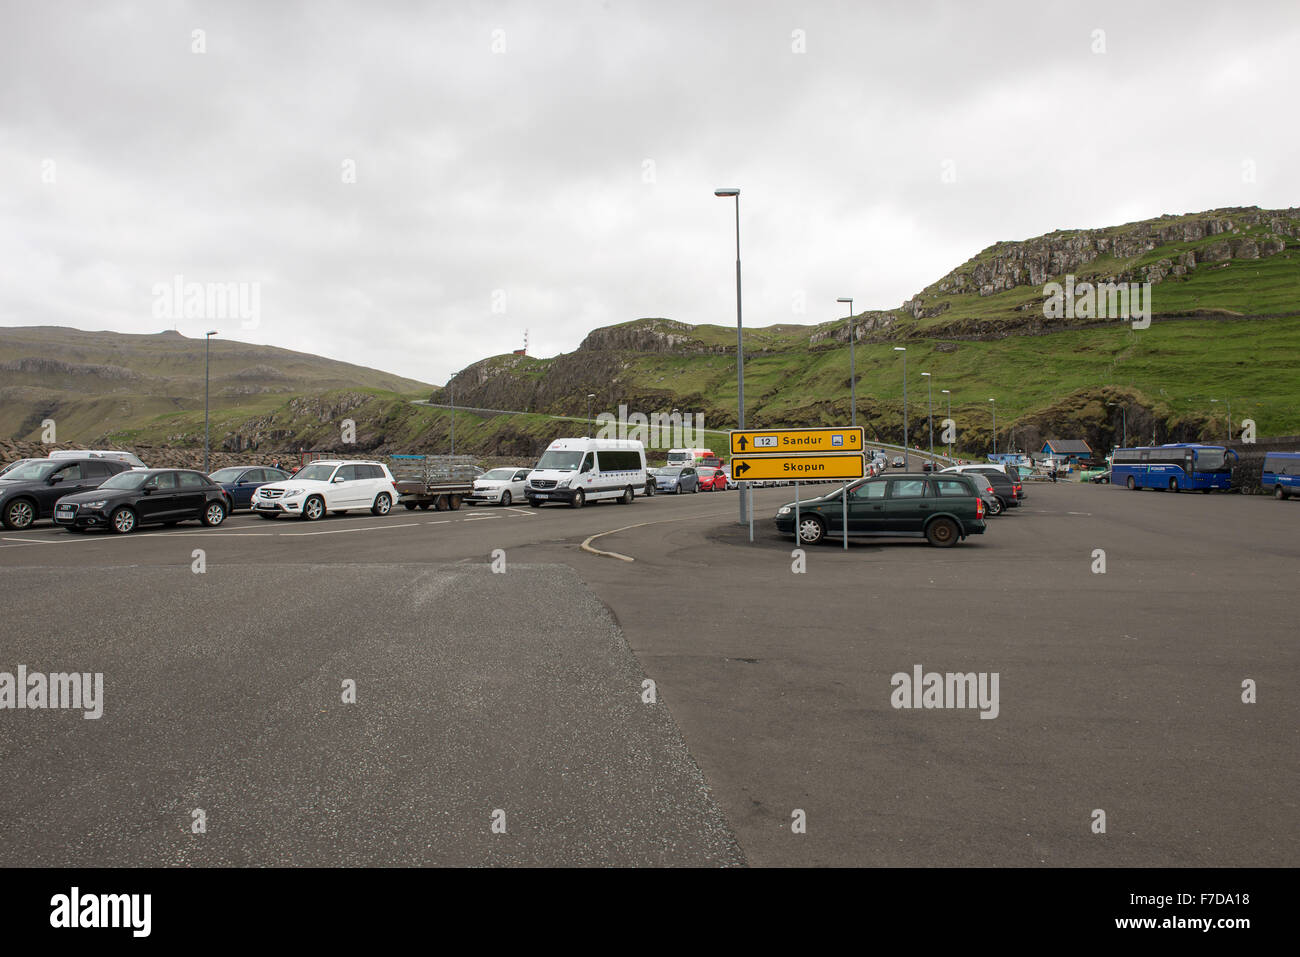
x: 784, y: 510
x: 563, y: 484
x: 291, y: 492
x: 97, y: 504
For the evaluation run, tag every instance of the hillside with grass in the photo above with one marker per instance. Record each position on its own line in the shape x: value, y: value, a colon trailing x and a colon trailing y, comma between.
x: 1225, y: 325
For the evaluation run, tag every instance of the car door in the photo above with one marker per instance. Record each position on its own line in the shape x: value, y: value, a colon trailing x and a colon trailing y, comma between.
x: 191, y: 494
x: 241, y: 492
x: 867, y: 507
x: 518, y: 484
x: 68, y: 480
x: 907, y: 505
x: 342, y: 491
x: 690, y: 480
x: 157, y: 501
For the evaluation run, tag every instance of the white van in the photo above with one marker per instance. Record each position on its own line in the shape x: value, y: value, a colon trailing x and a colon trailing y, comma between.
x: 577, y: 471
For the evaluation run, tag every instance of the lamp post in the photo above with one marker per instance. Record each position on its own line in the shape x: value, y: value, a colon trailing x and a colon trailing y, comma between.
x: 730, y: 193
x: 930, y: 382
x: 590, y: 396
x: 948, y: 393
x: 853, y: 368
x: 1124, y: 413
x: 451, y: 391
x: 207, y: 345
x: 903, y: 350
x: 995, y: 425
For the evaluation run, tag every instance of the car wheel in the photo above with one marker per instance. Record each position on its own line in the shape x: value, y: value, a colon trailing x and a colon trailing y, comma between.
x: 1131, y: 483
x: 313, y: 509
x: 19, y: 514
x: 942, y: 533
x: 214, y: 514
x: 122, y: 520
x: 579, y: 499
x: 627, y: 496
x: 695, y: 488
x: 505, y: 499
x: 995, y: 507
x: 811, y: 529
x: 650, y: 490
x: 383, y: 504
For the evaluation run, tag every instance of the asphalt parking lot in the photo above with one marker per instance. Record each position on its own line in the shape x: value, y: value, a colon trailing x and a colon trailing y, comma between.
x: 524, y: 691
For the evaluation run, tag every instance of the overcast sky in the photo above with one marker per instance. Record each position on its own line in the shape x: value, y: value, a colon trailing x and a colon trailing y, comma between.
x: 553, y: 169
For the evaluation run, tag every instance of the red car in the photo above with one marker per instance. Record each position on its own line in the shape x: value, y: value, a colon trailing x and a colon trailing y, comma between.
x: 712, y: 480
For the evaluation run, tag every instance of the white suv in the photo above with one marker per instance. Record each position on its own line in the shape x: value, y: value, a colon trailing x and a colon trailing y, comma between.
x: 329, y: 485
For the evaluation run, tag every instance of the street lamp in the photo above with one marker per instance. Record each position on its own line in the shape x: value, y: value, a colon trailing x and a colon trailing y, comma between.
x: 948, y: 393
x: 451, y: 391
x: 728, y: 193
x: 207, y: 344
x: 930, y: 384
x: 903, y: 350
x: 853, y: 368
x: 1124, y: 412
x: 995, y: 426
x: 590, y: 396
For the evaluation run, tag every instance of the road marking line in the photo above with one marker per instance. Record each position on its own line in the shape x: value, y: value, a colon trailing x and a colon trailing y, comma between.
x: 340, y: 531
x: 29, y: 541
x: 586, y: 545
x: 479, y: 518
x: 445, y: 521
x: 519, y: 511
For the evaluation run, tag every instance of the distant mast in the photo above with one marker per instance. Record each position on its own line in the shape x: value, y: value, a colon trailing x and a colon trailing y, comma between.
x: 524, y: 350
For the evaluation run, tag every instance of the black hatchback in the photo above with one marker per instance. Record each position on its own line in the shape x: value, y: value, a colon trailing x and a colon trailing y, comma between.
x: 144, y: 497
x: 29, y: 490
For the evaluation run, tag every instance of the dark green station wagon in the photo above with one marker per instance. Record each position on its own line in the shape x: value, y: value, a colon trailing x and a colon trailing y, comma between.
x: 944, y: 507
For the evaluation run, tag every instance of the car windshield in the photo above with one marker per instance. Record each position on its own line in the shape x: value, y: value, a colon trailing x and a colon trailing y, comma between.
x: 315, y: 473
x: 226, y: 475
x: 128, y: 479
x: 560, y: 461
x: 671, y: 471
x: 499, y: 474
x: 31, y: 472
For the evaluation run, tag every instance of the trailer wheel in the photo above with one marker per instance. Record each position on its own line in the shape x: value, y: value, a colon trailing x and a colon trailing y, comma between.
x: 453, y: 502
x: 424, y: 506
x: 409, y: 506
x: 440, y: 503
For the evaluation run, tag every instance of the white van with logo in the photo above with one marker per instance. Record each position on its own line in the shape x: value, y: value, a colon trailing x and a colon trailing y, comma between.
x: 578, y: 471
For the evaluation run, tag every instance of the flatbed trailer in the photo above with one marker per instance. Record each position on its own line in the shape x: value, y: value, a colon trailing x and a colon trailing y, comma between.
x: 437, y: 482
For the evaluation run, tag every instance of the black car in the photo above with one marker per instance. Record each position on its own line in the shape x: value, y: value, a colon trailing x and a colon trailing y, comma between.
x: 144, y: 497
x: 28, y: 492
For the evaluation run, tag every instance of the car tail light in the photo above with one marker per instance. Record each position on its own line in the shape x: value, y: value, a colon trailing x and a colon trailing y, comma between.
x: 979, y: 508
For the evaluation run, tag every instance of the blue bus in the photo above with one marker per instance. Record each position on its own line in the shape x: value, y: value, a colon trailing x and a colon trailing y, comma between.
x: 1281, y: 473
x: 1177, y: 467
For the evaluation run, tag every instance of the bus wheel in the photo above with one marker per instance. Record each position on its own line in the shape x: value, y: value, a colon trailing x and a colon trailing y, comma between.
x: 1277, y: 493
x: 1173, y: 485
x: 1131, y: 483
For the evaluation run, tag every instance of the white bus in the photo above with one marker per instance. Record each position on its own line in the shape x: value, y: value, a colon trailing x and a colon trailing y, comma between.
x: 578, y: 471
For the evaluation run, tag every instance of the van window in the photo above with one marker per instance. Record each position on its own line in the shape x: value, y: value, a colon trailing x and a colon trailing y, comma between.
x: 587, y: 462
x: 618, y: 460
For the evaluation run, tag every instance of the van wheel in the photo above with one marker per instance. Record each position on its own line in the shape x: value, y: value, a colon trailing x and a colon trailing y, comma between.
x: 1131, y: 483
x: 534, y: 503
x: 811, y: 529
x: 579, y: 499
x: 942, y: 533
x: 627, y: 496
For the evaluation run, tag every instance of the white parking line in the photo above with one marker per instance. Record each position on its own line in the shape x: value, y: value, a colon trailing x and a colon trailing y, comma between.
x: 29, y: 541
x: 479, y: 518
x: 445, y: 521
x: 340, y: 531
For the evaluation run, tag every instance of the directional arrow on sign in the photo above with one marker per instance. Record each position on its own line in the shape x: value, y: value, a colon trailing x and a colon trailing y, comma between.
x: 743, y: 467
x: 742, y: 443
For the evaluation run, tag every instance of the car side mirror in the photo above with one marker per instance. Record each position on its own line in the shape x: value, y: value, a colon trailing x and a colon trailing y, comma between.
x: 338, y: 478
x: 54, y: 479
x: 148, y: 489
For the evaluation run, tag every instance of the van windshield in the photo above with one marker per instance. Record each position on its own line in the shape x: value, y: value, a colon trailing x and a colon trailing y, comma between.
x: 560, y: 461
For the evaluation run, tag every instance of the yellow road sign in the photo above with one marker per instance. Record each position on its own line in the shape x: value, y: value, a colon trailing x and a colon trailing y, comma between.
x: 763, y: 468
x: 789, y: 441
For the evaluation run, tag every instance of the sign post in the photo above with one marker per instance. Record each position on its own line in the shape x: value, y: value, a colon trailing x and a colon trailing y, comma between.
x: 800, y: 455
